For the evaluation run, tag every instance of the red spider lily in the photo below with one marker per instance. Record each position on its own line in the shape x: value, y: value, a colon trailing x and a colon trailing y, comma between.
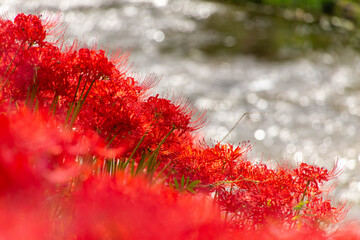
x: 113, y: 110
x: 160, y: 117
x: 26, y: 57
x: 166, y: 114
x: 89, y: 103
x: 309, y: 176
x: 252, y: 194
x: 36, y: 149
x: 128, y: 208
x: 30, y: 146
x: 89, y: 91
x: 26, y: 217
x: 30, y: 29
x: 210, y: 164
x: 266, y: 195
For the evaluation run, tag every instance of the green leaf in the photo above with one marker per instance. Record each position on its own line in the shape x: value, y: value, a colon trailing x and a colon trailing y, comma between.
x: 300, y: 205
x: 176, y: 183
x: 182, y: 181
x: 296, y: 217
x: 191, y: 190
x: 141, y: 165
x: 193, y: 184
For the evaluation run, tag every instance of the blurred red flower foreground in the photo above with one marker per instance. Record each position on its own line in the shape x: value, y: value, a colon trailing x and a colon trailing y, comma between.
x: 87, y: 153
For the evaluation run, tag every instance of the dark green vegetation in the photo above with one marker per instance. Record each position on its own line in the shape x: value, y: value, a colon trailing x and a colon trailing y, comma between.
x: 267, y: 31
x: 276, y: 29
x: 349, y: 9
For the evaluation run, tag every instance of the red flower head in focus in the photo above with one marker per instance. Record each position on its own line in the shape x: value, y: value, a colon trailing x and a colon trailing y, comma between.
x: 29, y: 29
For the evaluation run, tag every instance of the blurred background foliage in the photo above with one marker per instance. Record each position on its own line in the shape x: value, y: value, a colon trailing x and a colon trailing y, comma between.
x: 349, y: 9
x: 282, y: 29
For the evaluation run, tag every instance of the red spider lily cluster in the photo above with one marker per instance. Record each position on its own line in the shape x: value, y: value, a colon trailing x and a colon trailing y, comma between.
x: 87, y: 153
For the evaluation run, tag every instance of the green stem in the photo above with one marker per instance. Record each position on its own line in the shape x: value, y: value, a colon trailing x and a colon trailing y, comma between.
x: 153, y: 157
x: 8, y: 68
x: 111, y: 140
x: 130, y: 159
x: 79, y: 104
x: 242, y: 116
x: 31, y: 95
x: 54, y: 104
